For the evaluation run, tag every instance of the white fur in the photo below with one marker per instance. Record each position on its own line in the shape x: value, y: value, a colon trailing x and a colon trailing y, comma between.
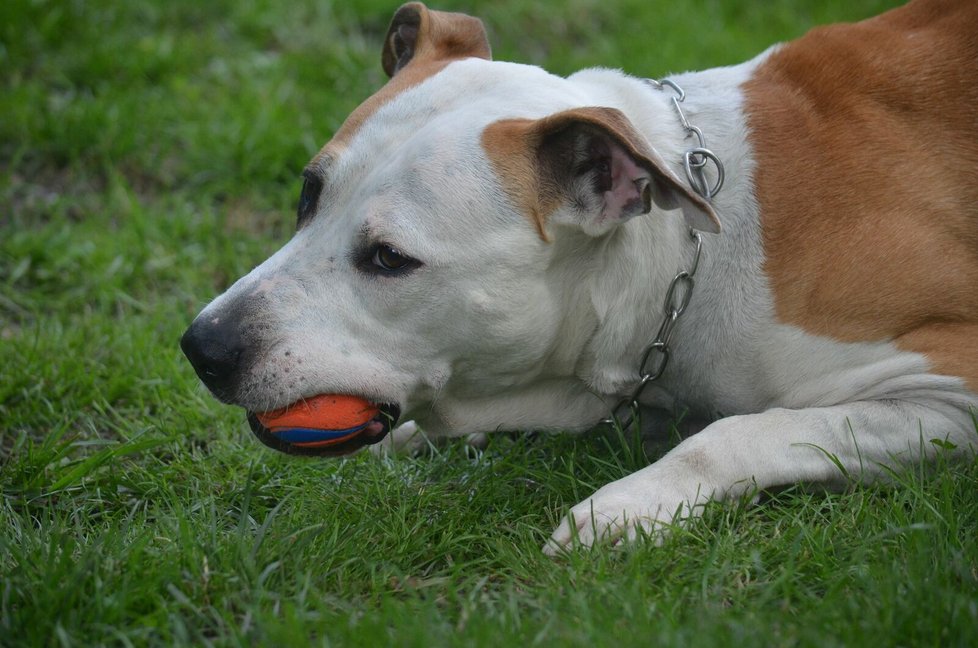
x: 501, y: 330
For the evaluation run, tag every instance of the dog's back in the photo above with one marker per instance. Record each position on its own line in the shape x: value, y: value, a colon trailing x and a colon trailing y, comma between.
x: 866, y: 142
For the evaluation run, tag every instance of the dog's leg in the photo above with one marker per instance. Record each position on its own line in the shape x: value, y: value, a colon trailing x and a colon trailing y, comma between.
x: 406, y: 439
x: 410, y: 440
x: 743, y: 454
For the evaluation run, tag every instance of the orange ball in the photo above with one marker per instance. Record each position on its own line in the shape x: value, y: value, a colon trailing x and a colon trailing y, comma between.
x: 323, y: 412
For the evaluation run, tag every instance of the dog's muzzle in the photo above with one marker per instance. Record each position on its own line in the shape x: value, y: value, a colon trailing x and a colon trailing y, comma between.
x: 220, y: 354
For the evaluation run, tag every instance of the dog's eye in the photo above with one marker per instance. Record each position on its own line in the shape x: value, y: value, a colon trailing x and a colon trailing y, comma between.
x: 389, y: 259
x: 311, y: 188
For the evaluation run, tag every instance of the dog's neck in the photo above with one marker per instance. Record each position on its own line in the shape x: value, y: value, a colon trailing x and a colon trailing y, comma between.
x: 636, y: 264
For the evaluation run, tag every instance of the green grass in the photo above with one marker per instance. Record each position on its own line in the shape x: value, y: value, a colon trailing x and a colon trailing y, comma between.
x: 149, y: 154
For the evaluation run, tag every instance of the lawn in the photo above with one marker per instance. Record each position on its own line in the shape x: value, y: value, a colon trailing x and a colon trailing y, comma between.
x: 149, y: 154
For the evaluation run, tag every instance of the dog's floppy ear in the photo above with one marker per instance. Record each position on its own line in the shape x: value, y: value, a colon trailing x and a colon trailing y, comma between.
x: 587, y: 167
x: 416, y: 32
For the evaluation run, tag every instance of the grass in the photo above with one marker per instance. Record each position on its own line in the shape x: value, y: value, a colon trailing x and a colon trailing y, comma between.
x: 149, y: 154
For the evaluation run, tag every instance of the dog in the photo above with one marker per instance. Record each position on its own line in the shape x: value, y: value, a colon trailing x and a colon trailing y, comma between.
x: 787, y: 248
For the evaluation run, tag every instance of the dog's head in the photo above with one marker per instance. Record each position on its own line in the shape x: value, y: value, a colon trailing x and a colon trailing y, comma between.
x: 445, y: 238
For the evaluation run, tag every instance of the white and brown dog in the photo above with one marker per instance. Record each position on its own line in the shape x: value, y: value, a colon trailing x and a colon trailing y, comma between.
x: 484, y: 245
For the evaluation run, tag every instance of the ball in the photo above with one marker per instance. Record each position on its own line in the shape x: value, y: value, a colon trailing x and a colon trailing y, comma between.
x: 320, y: 420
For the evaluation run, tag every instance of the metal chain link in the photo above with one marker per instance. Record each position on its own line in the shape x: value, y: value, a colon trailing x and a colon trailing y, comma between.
x: 696, y: 158
x: 655, y: 357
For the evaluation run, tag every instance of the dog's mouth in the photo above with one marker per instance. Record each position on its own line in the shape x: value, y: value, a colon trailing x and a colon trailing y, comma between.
x: 317, y: 443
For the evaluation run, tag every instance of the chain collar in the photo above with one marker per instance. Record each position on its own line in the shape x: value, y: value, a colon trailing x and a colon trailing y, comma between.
x: 655, y: 357
x: 696, y: 158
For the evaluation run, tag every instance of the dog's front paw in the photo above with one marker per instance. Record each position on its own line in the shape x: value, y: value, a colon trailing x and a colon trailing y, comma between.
x: 409, y: 440
x: 621, y: 511
x: 405, y: 439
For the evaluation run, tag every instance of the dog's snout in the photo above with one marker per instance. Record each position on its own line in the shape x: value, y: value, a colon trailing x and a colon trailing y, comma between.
x: 216, y: 351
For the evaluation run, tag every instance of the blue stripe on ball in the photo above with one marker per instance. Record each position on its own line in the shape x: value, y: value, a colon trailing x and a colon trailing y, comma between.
x: 308, y: 435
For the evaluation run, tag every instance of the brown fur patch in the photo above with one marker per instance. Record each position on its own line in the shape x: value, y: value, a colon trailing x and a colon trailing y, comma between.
x: 866, y: 142
x: 434, y: 36
x: 511, y: 147
x: 441, y: 38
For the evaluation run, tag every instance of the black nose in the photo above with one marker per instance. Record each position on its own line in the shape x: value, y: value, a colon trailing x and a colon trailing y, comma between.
x: 217, y: 352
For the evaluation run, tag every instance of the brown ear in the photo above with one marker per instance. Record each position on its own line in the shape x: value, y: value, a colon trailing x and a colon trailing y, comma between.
x: 591, y: 165
x: 416, y: 32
